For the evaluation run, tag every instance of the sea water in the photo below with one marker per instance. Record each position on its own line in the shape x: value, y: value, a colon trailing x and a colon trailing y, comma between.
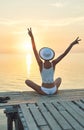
x: 16, y: 68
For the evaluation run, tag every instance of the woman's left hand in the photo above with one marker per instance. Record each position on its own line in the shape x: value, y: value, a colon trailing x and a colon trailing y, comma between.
x: 76, y: 41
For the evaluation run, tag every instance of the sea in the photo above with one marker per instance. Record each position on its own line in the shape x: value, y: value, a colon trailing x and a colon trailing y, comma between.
x: 16, y: 68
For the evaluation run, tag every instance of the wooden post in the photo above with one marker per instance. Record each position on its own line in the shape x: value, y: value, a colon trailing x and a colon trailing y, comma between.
x: 18, y: 124
x: 11, y: 114
x: 9, y: 122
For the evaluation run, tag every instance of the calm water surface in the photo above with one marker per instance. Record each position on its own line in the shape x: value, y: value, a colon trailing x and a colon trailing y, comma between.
x: 15, y: 69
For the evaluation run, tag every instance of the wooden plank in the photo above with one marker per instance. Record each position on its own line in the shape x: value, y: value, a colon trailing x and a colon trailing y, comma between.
x: 46, y: 127
x: 41, y: 107
x: 58, y: 106
x: 82, y: 100
x: 74, y: 114
x: 76, y: 108
x: 81, y: 104
x: 22, y: 119
x: 28, y: 117
x: 59, y: 118
x: 75, y: 125
x: 50, y: 120
x: 32, y: 97
x: 37, y: 115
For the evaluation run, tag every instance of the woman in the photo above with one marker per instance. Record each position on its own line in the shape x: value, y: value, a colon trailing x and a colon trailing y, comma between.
x: 47, y: 68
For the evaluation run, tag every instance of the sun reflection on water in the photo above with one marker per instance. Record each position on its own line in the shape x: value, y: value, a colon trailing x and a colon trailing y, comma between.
x: 28, y: 61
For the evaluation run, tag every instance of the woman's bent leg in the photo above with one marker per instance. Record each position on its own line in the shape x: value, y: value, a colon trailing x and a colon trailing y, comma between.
x: 57, y: 83
x: 34, y: 86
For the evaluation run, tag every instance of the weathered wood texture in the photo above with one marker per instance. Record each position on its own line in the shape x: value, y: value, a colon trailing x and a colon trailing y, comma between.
x: 32, y: 97
x: 63, y: 111
x: 52, y: 115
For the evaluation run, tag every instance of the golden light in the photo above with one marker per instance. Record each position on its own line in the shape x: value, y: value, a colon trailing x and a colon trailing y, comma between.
x: 25, y: 46
x: 28, y: 61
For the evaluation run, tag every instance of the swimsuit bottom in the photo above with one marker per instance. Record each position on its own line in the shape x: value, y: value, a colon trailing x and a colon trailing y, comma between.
x: 49, y: 90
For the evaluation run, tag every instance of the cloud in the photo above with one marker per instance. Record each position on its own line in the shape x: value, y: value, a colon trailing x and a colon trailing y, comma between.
x: 9, y: 22
x: 58, y: 4
x: 62, y: 22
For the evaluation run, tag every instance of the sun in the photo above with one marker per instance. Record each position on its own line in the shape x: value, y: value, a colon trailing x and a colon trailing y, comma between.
x: 25, y: 47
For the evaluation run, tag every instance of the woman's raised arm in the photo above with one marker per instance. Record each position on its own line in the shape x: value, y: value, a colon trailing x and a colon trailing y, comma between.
x: 34, y: 46
x: 57, y: 60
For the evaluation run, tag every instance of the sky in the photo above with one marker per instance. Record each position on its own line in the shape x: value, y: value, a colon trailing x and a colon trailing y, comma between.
x: 55, y: 23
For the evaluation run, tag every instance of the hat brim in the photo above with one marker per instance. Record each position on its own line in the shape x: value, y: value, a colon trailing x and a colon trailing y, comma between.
x: 50, y: 57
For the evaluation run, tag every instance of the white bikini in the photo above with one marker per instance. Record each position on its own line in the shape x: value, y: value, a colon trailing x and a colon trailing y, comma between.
x: 48, y: 77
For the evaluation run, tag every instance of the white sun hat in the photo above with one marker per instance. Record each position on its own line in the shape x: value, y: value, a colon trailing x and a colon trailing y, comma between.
x: 46, y: 53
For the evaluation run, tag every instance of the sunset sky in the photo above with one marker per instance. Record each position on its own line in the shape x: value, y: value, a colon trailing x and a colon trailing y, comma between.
x: 55, y: 23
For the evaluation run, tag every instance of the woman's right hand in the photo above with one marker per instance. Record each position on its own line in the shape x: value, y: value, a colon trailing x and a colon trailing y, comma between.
x: 30, y: 32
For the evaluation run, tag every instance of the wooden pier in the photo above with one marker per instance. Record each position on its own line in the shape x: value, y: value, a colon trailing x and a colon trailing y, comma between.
x: 31, y: 111
x: 53, y: 115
